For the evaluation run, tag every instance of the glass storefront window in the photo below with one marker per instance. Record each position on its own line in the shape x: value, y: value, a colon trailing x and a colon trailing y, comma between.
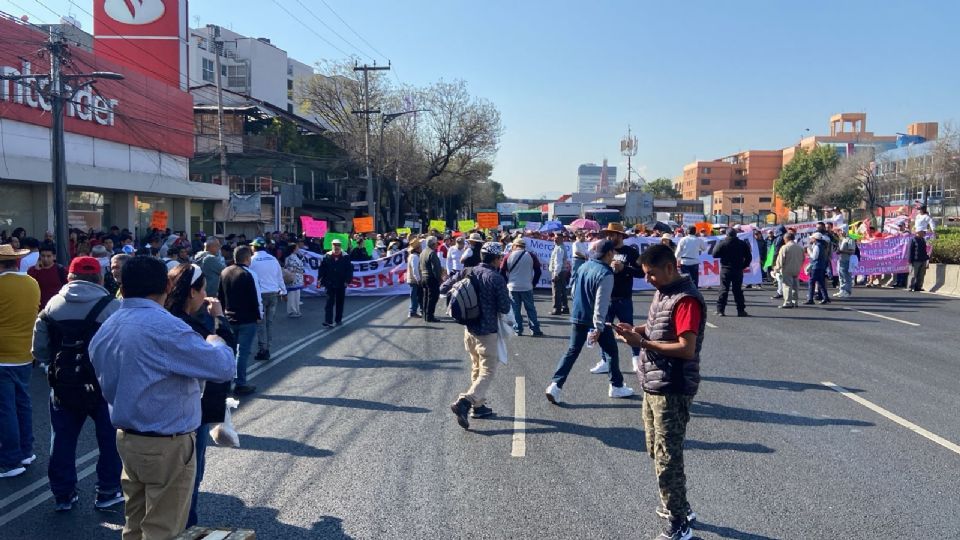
x: 89, y: 210
x: 17, y: 208
x: 201, y: 217
x: 150, y: 211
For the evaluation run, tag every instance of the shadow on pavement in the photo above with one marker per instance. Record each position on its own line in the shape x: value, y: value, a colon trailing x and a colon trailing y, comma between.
x: 347, y: 402
x: 726, y: 532
x: 281, y: 446
x: 361, y: 362
x: 770, y: 384
x: 624, y: 438
x: 227, y: 511
x: 723, y: 412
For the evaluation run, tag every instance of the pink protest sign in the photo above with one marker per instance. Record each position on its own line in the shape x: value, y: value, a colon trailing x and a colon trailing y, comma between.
x: 313, y: 228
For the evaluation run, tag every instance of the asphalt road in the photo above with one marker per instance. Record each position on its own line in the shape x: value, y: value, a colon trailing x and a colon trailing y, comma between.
x: 350, y: 434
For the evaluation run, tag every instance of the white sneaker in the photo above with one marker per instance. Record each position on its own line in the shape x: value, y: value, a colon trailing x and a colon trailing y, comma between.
x: 15, y: 471
x: 621, y: 392
x: 636, y: 364
x: 601, y: 367
x: 28, y: 460
x: 553, y: 393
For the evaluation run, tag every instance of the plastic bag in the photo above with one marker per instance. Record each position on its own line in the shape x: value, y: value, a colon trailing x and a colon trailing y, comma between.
x: 224, y: 434
x: 504, y: 331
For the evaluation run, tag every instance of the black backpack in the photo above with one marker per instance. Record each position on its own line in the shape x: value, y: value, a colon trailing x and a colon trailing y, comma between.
x: 70, y: 373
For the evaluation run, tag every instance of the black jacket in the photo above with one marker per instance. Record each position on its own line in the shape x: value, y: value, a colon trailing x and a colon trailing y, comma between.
x: 238, y: 294
x: 623, y: 280
x: 336, y: 272
x: 918, y: 250
x: 733, y: 252
x: 213, y: 403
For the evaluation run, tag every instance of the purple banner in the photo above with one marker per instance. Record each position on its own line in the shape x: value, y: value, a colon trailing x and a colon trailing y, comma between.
x: 890, y: 255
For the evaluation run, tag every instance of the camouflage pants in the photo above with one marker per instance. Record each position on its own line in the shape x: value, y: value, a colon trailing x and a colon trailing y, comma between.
x: 665, y: 425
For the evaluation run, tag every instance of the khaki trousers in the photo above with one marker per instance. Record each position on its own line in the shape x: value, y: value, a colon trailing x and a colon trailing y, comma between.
x: 157, y: 479
x: 483, y: 359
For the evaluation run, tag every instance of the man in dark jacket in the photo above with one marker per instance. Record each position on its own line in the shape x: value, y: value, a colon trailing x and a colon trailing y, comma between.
x: 431, y: 275
x: 671, y: 341
x: 735, y: 257
x: 480, y: 337
x: 626, y: 267
x: 919, y: 260
x: 74, y: 315
x: 336, y: 273
x: 240, y: 296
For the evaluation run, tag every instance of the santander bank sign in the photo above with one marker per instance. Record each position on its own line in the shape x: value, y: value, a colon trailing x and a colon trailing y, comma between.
x: 135, y: 12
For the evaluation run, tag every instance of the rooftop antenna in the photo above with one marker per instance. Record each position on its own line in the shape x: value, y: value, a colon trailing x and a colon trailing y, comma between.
x: 628, y: 148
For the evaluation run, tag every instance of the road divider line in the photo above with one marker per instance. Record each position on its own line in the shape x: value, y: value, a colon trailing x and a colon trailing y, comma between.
x: 901, y: 321
x: 300, y: 344
x: 39, y: 499
x: 953, y: 447
x: 305, y: 342
x: 519, y: 448
x: 711, y: 325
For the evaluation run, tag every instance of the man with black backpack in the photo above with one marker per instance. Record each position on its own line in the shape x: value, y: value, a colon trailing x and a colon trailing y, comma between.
x: 60, y: 339
x: 477, y: 296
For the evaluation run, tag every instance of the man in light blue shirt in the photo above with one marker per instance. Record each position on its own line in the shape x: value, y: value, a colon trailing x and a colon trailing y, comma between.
x: 150, y: 366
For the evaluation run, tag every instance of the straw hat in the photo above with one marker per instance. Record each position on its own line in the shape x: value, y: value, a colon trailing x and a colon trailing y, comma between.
x: 615, y: 227
x: 8, y: 253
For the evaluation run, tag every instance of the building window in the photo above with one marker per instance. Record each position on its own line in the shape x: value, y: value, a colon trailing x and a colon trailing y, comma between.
x: 707, y: 170
x: 765, y: 199
x: 739, y: 183
x: 736, y: 200
x: 208, y: 70
x: 704, y: 181
x: 704, y: 193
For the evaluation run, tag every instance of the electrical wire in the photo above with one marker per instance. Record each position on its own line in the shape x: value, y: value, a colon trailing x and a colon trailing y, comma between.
x: 337, y: 15
x: 305, y: 25
x: 328, y: 27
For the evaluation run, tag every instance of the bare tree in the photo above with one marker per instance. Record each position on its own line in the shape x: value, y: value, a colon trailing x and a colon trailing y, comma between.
x: 853, y: 184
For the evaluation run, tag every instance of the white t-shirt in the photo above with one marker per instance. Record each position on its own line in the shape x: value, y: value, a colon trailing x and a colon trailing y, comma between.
x: 923, y: 222
x: 28, y: 260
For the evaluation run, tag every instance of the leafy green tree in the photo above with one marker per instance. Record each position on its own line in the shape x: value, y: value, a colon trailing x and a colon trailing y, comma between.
x: 662, y: 188
x: 800, y: 177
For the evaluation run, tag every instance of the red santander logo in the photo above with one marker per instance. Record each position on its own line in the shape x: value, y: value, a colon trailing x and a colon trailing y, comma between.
x: 134, y: 12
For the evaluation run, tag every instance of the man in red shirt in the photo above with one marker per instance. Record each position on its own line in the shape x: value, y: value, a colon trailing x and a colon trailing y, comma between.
x: 670, y: 375
x: 50, y: 275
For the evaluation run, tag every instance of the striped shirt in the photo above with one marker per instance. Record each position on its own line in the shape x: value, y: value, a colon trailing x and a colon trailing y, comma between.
x: 150, y: 365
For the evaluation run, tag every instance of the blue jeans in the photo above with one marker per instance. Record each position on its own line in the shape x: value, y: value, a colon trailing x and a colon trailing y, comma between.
x: 203, y: 437
x: 578, y: 337
x: 818, y: 279
x: 62, y: 470
x: 16, y: 416
x: 622, y: 309
x: 524, y: 298
x: 846, y: 280
x: 415, y: 292
x: 246, y: 335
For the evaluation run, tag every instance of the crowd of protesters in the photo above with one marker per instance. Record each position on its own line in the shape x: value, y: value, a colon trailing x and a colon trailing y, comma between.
x: 154, y: 396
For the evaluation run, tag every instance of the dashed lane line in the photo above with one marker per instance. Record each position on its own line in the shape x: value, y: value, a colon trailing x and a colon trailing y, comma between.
x: 953, y: 447
x: 901, y: 321
x: 519, y: 448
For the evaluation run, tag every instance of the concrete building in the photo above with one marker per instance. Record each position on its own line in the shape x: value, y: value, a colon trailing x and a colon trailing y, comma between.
x: 249, y: 66
x: 125, y: 166
x: 910, y: 174
x: 592, y: 178
x: 753, y: 173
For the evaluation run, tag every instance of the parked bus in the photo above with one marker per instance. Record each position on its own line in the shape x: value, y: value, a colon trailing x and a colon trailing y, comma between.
x: 603, y: 216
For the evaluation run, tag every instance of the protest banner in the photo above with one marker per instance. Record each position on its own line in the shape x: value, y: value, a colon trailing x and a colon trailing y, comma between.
x: 369, y: 246
x: 313, y: 228
x: 380, y: 277
x: 158, y: 220
x: 439, y: 225
x: 889, y: 255
x: 331, y: 236
x: 403, y: 231
x: 465, y: 225
x: 488, y: 220
x: 363, y: 224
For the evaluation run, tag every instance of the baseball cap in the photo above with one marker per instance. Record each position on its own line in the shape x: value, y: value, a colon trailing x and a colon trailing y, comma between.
x: 84, y: 265
x: 493, y: 248
x: 816, y: 236
x: 258, y: 242
x: 129, y: 249
x: 336, y: 241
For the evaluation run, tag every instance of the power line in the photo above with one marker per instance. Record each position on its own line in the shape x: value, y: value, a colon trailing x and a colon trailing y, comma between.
x: 328, y: 27
x: 337, y: 15
x: 305, y: 25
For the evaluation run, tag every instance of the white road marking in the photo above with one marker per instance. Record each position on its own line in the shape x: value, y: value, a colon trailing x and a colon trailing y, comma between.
x: 711, y: 325
x: 953, y: 447
x: 288, y: 351
x: 901, y: 321
x: 519, y: 419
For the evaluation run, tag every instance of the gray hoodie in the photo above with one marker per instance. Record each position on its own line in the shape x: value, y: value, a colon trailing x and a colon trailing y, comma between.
x: 73, y: 302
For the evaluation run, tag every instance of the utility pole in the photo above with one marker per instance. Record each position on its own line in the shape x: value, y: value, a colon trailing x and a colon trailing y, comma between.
x: 628, y: 148
x: 57, y: 93
x: 366, y: 112
x: 218, y: 46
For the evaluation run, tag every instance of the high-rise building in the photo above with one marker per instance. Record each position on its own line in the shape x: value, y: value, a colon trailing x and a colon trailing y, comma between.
x: 592, y: 178
x: 249, y: 66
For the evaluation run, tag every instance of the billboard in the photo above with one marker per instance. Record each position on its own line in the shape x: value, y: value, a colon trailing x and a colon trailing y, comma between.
x: 150, y: 36
x: 137, y: 110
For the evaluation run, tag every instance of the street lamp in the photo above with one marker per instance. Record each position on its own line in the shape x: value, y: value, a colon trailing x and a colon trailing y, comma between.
x: 385, y: 120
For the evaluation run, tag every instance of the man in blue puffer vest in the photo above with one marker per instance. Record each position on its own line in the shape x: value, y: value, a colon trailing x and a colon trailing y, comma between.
x: 591, y: 301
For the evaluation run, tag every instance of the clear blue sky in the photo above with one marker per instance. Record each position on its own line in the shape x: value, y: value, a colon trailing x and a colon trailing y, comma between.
x: 695, y: 79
